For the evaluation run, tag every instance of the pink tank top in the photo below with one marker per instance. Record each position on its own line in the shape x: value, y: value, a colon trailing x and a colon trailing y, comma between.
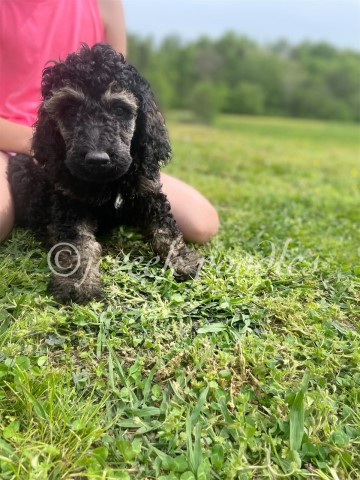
x: 32, y: 32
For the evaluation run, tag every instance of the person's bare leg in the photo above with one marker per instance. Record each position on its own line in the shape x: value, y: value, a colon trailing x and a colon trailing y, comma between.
x: 6, y: 203
x: 194, y: 214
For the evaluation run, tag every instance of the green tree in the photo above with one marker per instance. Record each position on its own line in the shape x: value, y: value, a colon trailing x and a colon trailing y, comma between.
x: 307, y: 80
x: 246, y: 98
x: 205, y: 102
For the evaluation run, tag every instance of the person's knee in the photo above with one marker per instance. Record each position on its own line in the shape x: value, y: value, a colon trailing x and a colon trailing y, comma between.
x: 196, y: 217
x: 6, y: 224
x: 6, y: 203
x: 205, y: 228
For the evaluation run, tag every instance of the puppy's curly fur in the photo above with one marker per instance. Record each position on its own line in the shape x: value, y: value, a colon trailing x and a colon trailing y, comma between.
x: 98, y: 146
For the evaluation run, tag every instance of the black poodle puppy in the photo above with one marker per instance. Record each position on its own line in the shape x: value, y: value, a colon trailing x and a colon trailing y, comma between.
x: 98, y: 146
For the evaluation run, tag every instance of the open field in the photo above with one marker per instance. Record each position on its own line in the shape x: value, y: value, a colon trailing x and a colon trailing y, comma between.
x: 251, y: 371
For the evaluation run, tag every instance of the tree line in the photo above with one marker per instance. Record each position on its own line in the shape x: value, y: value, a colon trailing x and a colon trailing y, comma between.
x: 234, y: 74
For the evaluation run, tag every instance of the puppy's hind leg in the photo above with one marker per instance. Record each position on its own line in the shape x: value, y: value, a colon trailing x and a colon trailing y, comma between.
x: 30, y: 191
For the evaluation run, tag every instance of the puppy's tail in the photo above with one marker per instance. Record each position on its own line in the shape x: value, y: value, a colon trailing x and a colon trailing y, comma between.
x: 30, y: 191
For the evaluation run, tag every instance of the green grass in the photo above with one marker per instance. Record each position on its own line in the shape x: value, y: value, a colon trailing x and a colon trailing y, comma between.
x: 251, y: 371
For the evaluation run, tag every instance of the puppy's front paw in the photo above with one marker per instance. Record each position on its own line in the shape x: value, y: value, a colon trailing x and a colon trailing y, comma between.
x: 66, y: 289
x: 186, y: 264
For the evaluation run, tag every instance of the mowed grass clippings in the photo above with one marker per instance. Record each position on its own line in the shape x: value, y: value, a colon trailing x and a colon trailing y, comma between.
x: 250, y: 371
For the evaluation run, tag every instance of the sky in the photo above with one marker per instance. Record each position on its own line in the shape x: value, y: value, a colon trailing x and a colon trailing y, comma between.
x: 335, y: 21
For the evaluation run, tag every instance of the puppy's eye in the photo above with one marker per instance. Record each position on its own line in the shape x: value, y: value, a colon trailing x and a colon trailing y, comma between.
x: 64, y: 102
x: 70, y: 109
x: 62, y: 108
x: 121, y: 109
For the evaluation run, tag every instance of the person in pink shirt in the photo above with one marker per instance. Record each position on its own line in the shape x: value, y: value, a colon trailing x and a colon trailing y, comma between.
x: 32, y: 32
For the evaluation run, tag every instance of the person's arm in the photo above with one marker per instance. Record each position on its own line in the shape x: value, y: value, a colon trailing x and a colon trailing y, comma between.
x: 112, y: 14
x: 15, y: 137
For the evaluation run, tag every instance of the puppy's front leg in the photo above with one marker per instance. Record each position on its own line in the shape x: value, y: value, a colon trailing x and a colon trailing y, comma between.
x: 74, y: 259
x: 164, y: 235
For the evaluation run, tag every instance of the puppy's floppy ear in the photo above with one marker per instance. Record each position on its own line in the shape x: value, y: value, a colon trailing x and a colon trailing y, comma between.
x: 48, y: 144
x: 150, y: 145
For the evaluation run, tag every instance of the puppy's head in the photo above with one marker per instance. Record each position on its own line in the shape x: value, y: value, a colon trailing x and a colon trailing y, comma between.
x: 99, y: 117
x: 97, y: 130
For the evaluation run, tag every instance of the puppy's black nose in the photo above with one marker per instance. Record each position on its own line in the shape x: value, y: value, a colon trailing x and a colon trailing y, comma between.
x: 97, y: 158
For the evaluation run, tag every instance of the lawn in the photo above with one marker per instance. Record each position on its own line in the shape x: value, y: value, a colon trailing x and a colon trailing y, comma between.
x: 250, y: 371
